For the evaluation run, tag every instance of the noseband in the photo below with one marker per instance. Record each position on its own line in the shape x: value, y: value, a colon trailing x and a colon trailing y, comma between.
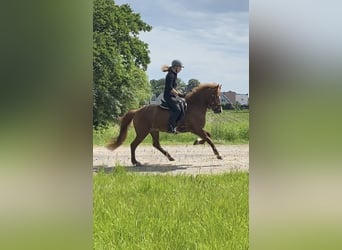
x: 213, y: 105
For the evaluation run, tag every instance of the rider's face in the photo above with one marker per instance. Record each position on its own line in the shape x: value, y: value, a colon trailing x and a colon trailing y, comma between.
x: 178, y: 69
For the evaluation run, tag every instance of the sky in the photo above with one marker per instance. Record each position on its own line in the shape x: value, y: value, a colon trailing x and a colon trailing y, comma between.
x: 210, y: 37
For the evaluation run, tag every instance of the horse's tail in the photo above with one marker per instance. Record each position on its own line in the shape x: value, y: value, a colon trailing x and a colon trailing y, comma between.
x: 125, y: 121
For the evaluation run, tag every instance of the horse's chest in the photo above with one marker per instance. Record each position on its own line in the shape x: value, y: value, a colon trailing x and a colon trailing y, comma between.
x: 193, y: 121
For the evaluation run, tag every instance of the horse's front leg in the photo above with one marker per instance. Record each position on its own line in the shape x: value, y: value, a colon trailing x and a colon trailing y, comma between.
x: 202, y: 141
x: 206, y: 137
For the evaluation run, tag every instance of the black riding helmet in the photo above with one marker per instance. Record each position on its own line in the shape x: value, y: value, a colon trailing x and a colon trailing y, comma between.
x: 176, y: 63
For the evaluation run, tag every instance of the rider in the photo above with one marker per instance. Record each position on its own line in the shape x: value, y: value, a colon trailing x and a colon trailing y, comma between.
x: 170, y: 93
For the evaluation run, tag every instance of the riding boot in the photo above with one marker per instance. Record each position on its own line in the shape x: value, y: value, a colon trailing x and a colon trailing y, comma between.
x: 172, y: 130
x: 172, y: 123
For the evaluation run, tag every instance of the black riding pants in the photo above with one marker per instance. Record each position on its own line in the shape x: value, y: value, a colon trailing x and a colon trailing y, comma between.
x: 175, y: 111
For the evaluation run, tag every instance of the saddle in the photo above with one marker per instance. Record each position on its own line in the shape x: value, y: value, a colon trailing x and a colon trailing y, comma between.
x: 180, y: 100
x: 164, y: 105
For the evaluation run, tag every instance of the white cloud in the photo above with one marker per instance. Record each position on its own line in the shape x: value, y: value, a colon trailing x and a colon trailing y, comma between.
x: 214, y: 52
x: 211, y: 42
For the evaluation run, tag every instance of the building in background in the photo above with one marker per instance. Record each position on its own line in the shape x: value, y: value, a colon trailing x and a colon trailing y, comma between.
x: 229, y: 100
x: 232, y: 99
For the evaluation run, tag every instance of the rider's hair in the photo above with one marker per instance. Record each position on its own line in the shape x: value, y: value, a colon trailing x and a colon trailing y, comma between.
x: 165, y: 68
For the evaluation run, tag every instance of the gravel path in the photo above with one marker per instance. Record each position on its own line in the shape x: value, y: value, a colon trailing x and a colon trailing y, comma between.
x: 189, y: 159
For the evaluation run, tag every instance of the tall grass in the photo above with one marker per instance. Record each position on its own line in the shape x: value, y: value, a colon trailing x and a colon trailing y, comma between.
x: 133, y: 211
x: 228, y: 127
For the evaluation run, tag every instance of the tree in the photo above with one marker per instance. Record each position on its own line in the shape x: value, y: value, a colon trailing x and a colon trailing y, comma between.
x: 192, y: 83
x: 120, y: 61
x: 159, y: 85
x: 181, y: 86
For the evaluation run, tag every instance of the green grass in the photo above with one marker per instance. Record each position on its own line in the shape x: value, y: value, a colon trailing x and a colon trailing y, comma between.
x: 134, y: 211
x: 229, y: 127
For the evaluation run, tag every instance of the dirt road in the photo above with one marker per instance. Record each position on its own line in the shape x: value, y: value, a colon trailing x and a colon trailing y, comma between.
x: 189, y: 159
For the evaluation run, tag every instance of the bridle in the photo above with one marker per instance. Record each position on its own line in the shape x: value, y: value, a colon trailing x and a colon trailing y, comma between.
x: 214, y: 105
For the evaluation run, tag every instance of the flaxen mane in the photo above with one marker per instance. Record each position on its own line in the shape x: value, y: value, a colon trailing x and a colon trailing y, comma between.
x: 199, y: 88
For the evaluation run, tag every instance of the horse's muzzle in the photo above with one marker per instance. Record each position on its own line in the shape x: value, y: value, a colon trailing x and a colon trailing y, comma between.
x: 217, y: 109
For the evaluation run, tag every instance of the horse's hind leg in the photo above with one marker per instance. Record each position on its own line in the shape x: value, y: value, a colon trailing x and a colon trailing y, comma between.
x: 156, y: 144
x: 138, y: 139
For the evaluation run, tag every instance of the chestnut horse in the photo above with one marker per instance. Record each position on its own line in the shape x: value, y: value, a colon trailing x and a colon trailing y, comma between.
x: 152, y: 119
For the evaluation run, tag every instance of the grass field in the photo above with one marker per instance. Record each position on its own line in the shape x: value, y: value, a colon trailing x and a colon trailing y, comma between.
x: 229, y: 127
x: 133, y: 211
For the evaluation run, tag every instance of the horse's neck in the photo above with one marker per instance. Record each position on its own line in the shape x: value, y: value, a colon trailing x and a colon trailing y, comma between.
x: 200, y: 108
x: 197, y: 101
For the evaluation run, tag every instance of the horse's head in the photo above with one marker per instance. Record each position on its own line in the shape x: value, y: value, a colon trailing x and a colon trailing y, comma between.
x: 215, y: 99
x: 206, y: 95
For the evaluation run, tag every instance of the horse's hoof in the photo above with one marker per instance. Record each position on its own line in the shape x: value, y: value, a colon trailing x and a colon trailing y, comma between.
x: 196, y: 142
x: 171, y: 159
x: 219, y: 157
x: 136, y: 164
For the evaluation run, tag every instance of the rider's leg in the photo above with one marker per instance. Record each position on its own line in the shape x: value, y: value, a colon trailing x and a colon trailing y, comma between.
x: 174, y: 114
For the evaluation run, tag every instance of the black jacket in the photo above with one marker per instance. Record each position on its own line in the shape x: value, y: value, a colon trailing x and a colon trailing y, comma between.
x: 170, y: 83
